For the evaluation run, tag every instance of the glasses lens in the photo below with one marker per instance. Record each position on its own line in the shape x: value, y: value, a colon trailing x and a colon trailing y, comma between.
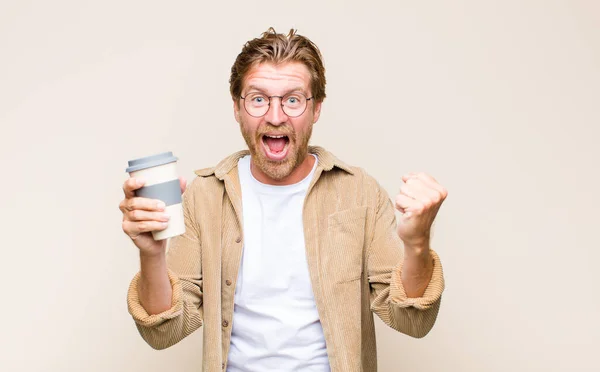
x: 256, y: 104
x: 294, y: 104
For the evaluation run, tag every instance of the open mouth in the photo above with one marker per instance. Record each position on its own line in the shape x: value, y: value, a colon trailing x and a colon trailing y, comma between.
x: 276, y: 146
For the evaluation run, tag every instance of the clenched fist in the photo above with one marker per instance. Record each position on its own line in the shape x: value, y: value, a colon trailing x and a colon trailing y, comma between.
x: 419, y: 200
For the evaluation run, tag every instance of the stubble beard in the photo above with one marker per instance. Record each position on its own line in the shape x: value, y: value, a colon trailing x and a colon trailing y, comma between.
x: 277, y: 170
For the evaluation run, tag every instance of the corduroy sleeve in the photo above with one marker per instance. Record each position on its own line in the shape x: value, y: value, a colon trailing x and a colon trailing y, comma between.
x: 185, y: 273
x: 412, y: 316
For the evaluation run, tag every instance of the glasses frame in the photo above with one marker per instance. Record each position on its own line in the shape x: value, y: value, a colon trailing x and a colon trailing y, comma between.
x: 282, y: 106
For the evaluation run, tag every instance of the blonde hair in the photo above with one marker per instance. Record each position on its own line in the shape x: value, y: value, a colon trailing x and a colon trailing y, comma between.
x: 277, y: 48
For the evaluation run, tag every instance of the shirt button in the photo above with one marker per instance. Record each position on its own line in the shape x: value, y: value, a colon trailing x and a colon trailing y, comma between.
x: 228, y: 282
x: 238, y: 239
x: 222, y: 365
x: 225, y: 323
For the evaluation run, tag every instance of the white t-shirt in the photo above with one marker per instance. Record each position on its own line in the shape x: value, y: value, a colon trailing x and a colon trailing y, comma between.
x: 276, y: 325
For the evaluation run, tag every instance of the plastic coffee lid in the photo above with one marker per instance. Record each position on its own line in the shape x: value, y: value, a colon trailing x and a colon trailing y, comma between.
x: 150, y: 161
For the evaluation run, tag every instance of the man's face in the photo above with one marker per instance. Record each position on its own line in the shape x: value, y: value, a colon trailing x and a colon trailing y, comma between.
x: 275, y: 156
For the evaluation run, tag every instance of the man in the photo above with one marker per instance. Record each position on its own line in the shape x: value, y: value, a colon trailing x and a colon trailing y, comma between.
x: 288, y: 251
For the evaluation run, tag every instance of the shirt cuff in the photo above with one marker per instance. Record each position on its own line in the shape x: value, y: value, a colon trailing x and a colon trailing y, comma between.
x: 141, y: 316
x: 432, y: 294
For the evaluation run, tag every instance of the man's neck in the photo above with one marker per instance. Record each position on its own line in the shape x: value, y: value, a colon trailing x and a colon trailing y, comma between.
x: 297, y: 175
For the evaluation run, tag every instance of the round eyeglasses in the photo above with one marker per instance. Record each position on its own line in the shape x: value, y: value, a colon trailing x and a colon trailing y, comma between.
x: 292, y: 104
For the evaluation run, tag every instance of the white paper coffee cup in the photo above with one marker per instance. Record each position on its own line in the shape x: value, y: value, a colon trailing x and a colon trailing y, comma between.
x: 161, y: 182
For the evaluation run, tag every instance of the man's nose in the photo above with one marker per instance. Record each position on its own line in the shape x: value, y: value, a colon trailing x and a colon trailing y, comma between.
x: 275, y: 115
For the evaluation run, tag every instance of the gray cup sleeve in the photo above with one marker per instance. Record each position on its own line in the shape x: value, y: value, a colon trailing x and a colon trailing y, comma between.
x: 169, y: 192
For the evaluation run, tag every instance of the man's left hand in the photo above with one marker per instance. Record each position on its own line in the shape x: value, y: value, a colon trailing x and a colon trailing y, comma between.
x: 419, y: 200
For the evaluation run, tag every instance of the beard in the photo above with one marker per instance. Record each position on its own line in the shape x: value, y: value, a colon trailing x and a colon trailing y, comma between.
x: 277, y: 169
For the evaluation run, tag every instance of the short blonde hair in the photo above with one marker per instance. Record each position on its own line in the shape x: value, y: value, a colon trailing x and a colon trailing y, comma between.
x: 277, y: 48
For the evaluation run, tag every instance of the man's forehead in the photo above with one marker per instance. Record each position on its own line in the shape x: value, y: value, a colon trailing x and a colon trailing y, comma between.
x: 268, y: 76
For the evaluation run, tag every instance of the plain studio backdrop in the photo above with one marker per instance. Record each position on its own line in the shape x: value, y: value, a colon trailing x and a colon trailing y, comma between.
x: 498, y: 100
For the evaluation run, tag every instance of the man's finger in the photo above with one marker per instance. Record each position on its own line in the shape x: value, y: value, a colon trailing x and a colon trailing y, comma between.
x: 423, y: 192
x: 131, y: 185
x: 142, y: 215
x: 416, y: 189
x: 427, y: 181
x: 133, y: 229
x: 431, y: 182
x: 182, y: 184
x: 408, y: 176
x: 406, y: 204
x: 146, y: 204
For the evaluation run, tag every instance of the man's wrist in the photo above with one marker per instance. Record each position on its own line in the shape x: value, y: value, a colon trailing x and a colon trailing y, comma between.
x: 154, y: 256
x: 152, y: 261
x: 417, y: 249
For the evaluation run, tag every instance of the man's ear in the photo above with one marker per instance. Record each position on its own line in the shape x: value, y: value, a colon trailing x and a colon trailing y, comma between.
x: 236, y: 110
x: 317, y: 111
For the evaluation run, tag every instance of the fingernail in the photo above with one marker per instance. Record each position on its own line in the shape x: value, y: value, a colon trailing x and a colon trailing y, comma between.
x: 139, y: 182
x: 160, y: 205
x: 166, y: 217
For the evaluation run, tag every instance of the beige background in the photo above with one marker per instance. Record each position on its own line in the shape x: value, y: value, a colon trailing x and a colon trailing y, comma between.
x: 499, y: 100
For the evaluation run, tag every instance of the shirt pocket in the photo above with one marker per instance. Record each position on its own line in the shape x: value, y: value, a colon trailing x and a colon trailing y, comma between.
x: 346, y: 235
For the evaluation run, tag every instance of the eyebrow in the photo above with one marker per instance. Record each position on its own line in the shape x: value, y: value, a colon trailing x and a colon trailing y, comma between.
x: 296, y: 89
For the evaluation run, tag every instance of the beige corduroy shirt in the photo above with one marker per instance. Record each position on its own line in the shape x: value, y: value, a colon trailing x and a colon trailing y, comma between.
x: 354, y: 259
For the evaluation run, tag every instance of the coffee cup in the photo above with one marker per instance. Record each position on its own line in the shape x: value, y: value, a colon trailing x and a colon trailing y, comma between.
x: 161, y: 182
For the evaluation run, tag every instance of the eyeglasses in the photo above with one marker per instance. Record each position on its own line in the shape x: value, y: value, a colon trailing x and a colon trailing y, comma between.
x: 293, y: 104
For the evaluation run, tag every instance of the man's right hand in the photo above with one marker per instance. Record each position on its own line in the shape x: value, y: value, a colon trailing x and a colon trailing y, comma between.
x: 141, y: 216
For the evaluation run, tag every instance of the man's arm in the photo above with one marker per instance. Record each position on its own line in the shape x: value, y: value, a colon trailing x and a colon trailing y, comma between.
x: 417, y: 269
x: 419, y: 200
x: 165, y: 297
x: 406, y: 280
x: 154, y: 287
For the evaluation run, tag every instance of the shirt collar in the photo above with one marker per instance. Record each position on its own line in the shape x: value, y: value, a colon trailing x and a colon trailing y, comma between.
x: 326, y: 161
